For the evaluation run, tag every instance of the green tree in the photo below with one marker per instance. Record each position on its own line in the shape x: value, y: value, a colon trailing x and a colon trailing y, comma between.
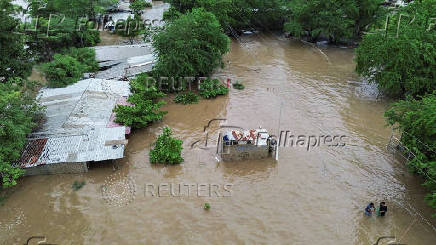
x: 236, y: 15
x: 18, y: 113
x: 145, y: 107
x: 63, y: 70
x: 139, y: 5
x: 131, y: 28
x: 61, y: 24
x: 402, y: 60
x: 416, y: 120
x: 85, y: 56
x: 333, y: 19
x: 167, y: 149
x: 72, y: 9
x: 14, y: 60
x: 191, y: 45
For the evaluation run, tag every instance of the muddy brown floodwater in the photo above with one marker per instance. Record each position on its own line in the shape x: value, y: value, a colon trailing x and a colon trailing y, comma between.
x: 306, y: 197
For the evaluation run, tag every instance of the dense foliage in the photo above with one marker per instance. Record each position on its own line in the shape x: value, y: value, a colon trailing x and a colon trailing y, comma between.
x: 139, y: 5
x: 211, y: 88
x: 145, y: 105
x: 14, y: 60
x: 236, y: 15
x: 191, y: 45
x: 67, y: 26
x: 130, y: 28
x: 333, y: 19
x: 18, y: 113
x: 63, y: 71
x: 416, y: 119
x: 68, y: 68
x: 72, y: 9
x: 167, y: 149
x: 186, y: 98
x: 86, y: 57
x: 404, y: 64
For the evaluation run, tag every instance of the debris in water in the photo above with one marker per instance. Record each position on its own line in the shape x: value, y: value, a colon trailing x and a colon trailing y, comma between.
x: 77, y: 185
x: 206, y: 206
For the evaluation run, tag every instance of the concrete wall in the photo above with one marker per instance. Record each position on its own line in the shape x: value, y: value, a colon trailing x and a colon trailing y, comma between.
x: 58, y: 168
x: 244, y: 152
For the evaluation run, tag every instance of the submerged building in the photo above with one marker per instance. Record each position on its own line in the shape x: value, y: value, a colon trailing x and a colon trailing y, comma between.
x: 79, y: 128
x: 252, y: 144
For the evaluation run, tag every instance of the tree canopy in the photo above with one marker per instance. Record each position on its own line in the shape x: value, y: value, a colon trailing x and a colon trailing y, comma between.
x: 236, y: 15
x: 18, y: 113
x: 191, y: 45
x: 14, y: 60
x: 333, y: 19
x: 416, y: 119
x: 401, y: 59
x: 145, y: 107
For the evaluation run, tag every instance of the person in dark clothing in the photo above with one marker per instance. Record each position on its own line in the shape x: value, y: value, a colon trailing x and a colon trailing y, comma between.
x: 383, y: 209
x: 369, y: 209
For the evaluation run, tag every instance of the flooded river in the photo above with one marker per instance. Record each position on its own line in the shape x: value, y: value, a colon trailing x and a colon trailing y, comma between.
x: 306, y: 197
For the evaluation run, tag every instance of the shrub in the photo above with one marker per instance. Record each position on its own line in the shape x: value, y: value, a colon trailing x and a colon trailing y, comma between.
x: 238, y: 85
x: 86, y: 56
x: 145, y: 105
x: 63, y: 71
x: 212, y: 88
x: 167, y: 149
x: 77, y: 185
x: 188, y: 98
x: 206, y: 206
x: 86, y: 38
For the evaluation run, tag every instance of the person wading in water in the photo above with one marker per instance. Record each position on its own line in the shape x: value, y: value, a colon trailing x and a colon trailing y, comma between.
x: 382, y: 209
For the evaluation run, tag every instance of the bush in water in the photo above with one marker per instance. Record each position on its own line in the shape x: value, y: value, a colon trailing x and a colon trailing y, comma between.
x: 167, y: 149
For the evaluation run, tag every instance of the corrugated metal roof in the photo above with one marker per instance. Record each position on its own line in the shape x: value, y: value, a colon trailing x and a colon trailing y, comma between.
x: 77, y: 129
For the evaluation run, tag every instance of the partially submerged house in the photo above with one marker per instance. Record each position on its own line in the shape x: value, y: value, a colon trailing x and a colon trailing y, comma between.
x: 79, y: 128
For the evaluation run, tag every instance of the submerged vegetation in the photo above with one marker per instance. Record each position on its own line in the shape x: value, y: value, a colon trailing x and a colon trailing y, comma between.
x: 145, y: 104
x: 238, y: 85
x: 186, y: 98
x: 167, y: 149
x: 77, y: 185
x: 211, y: 88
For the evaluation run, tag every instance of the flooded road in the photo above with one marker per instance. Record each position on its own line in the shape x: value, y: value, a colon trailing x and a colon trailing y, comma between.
x: 306, y: 197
